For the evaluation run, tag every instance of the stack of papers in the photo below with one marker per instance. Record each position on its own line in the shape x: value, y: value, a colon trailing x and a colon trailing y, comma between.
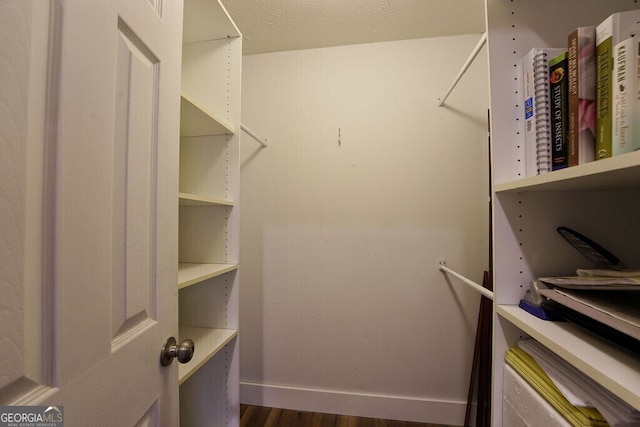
x: 579, y: 389
x: 525, y: 366
x: 597, y: 279
x: 618, y: 310
x: 610, y: 297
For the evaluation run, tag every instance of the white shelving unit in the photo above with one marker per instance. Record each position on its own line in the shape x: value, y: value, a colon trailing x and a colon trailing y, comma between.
x: 599, y: 199
x: 197, y: 200
x: 191, y: 273
x: 210, y: 338
x: 606, y: 363
x: 195, y: 120
x: 208, y: 277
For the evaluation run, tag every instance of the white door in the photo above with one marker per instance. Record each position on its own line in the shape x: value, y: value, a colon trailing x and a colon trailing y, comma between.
x: 89, y: 100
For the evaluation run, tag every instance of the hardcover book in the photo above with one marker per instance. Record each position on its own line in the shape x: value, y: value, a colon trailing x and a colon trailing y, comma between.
x: 558, y: 111
x: 581, y: 59
x: 609, y: 33
x: 537, y: 132
x: 626, y: 102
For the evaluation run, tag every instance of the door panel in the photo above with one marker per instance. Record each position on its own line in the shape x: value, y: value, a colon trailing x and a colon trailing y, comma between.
x: 135, y: 149
x: 105, y: 149
x: 23, y: 64
x: 150, y: 418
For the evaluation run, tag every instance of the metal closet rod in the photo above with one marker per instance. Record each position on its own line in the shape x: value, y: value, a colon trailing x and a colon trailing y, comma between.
x: 249, y: 132
x: 464, y: 68
x: 442, y: 266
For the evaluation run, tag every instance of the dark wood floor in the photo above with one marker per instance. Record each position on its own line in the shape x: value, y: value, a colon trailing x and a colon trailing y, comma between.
x: 257, y: 416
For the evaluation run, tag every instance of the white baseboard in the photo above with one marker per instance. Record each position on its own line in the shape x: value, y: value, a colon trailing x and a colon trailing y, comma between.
x: 357, y: 404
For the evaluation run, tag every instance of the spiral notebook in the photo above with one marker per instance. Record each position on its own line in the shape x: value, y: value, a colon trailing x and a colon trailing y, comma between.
x: 535, y: 70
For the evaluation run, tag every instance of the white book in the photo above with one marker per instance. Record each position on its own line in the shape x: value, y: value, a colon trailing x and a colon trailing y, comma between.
x: 616, y: 28
x: 537, y: 132
x: 626, y: 97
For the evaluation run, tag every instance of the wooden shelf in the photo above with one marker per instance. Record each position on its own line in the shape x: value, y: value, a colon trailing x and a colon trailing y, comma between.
x: 190, y: 273
x: 187, y: 199
x: 620, y: 172
x: 209, y: 341
x: 611, y: 366
x: 197, y: 121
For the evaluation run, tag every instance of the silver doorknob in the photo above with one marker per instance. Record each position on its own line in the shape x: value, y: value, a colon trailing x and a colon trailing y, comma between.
x: 170, y: 350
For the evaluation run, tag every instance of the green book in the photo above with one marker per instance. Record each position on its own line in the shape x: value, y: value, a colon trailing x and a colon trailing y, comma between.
x: 609, y: 33
x: 559, y: 111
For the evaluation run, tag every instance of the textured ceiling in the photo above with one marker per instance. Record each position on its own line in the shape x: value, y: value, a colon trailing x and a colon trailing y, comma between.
x: 278, y: 25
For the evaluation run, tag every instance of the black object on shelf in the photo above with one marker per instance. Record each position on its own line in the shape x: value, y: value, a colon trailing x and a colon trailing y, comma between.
x: 590, y: 249
x: 601, y: 330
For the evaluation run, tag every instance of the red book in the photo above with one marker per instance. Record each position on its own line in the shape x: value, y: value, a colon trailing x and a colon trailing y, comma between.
x: 581, y: 62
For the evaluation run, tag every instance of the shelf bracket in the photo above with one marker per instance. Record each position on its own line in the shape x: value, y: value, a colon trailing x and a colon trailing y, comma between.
x: 464, y: 68
x: 249, y: 132
x: 442, y: 266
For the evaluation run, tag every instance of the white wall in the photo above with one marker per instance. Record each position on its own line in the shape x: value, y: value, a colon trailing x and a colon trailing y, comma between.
x: 343, y: 309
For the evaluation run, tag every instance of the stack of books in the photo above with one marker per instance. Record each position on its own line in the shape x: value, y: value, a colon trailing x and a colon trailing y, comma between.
x: 582, y: 100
